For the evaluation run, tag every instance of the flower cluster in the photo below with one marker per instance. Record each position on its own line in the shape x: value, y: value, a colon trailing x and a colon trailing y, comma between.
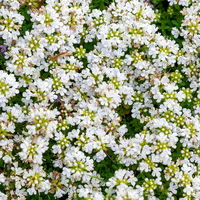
x: 98, y: 104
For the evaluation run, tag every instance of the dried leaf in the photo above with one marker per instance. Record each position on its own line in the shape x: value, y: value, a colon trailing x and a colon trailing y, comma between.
x: 61, y: 55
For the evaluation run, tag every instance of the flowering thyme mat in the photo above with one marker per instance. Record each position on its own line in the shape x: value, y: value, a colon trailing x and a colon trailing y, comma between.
x: 99, y: 99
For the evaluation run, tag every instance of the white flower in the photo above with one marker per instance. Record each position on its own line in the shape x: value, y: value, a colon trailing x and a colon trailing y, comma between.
x: 2, y: 178
x: 3, y: 196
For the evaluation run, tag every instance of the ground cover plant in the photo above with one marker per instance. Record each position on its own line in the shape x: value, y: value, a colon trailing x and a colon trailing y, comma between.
x: 99, y: 99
